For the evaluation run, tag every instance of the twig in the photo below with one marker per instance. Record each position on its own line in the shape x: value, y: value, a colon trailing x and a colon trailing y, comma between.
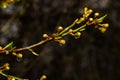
x: 34, y: 45
x: 29, y: 47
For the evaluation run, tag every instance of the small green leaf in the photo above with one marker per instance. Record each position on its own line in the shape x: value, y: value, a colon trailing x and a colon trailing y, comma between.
x: 33, y: 52
x: 82, y: 29
x: 102, y: 18
x: 8, y: 45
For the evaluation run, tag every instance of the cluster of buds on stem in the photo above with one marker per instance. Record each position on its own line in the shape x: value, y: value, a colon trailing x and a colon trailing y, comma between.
x: 82, y: 22
x: 18, y: 55
x: 59, y: 28
x: 5, y: 67
x: 45, y: 36
x: 103, y: 27
x: 9, y: 49
x: 76, y: 34
x: 71, y: 30
x: 61, y: 41
x: 87, y: 12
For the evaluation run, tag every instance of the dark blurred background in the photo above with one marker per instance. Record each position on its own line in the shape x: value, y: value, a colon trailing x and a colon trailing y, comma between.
x: 95, y: 56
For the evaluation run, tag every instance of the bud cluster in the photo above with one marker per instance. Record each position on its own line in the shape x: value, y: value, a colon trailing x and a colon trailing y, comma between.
x: 103, y: 27
x: 59, y: 28
x: 18, y: 55
x: 87, y: 12
x: 76, y: 32
x: 5, y: 67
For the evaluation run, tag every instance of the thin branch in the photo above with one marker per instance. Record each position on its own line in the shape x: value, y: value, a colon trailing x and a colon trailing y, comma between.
x: 34, y: 45
x: 29, y: 47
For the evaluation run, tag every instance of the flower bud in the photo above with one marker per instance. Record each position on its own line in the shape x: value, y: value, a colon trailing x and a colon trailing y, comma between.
x: 60, y: 28
x: 19, y: 55
x: 7, y: 68
x: 54, y: 35
x: 102, y: 29
x: 80, y: 20
x: 90, y: 11
x: 87, y: 13
x: 106, y: 25
x: 77, y: 35
x: 96, y: 14
x: 4, y: 5
x: 70, y: 31
x: 90, y: 19
x: 1, y: 48
x: 6, y: 64
x: 14, y: 53
x: 62, y: 41
x: 43, y: 77
x: 10, y: 78
x: 45, y: 36
x: 85, y: 9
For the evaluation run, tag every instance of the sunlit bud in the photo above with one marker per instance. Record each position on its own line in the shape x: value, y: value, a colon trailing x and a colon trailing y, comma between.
x: 54, y: 35
x: 43, y: 77
x: 4, y: 5
x: 102, y: 29
x: 7, y: 68
x: 90, y: 19
x: 11, y: 78
x: 14, y: 53
x: 45, y: 36
x: 85, y: 9
x: 11, y: 0
x: 96, y: 14
x: 76, y: 21
x: 90, y: 11
x: 106, y: 25
x: 62, y: 41
x: 1, y: 48
x: 19, y: 55
x: 70, y: 31
x: 60, y: 28
x: 7, y: 52
x: 77, y: 34
x: 6, y: 64
x: 80, y: 20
